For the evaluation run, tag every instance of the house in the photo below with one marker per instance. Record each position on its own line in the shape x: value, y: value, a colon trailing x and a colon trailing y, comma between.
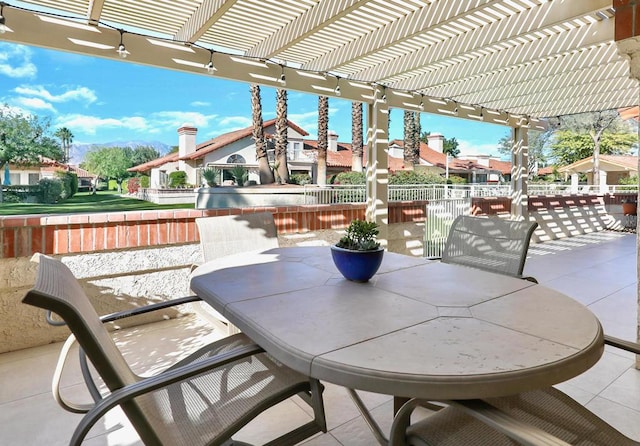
x: 612, y: 169
x: 237, y: 148
x: 30, y: 175
x: 224, y: 152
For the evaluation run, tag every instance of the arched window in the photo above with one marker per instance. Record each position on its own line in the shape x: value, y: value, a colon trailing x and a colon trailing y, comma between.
x: 236, y: 159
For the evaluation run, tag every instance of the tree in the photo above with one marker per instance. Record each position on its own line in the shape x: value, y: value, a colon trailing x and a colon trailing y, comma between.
x: 265, y: 172
x: 568, y: 147
x: 24, y: 140
x: 143, y: 154
x: 281, y: 135
x: 538, y: 148
x: 595, y: 125
x: 66, y: 138
x: 450, y: 147
x: 323, y: 138
x: 417, y: 129
x: 409, y: 135
x: 109, y: 163
x: 356, y: 136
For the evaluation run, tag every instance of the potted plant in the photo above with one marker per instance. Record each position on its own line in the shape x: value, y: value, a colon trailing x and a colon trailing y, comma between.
x: 629, y: 205
x: 358, y: 254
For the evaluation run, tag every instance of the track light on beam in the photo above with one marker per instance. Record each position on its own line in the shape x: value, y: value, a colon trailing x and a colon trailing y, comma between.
x: 209, y: 66
x: 3, y: 26
x: 122, y: 51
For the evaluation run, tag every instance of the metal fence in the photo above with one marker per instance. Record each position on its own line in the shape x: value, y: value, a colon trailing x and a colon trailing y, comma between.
x: 440, y: 216
x: 349, y: 193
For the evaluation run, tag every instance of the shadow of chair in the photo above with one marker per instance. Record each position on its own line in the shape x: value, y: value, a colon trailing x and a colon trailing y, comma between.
x: 204, y: 398
x: 491, y: 244
x: 232, y: 234
x: 539, y: 417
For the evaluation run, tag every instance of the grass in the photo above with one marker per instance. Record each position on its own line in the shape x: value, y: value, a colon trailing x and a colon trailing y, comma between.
x: 85, y: 202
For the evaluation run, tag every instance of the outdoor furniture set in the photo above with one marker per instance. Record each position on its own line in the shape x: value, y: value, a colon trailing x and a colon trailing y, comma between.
x: 478, y: 343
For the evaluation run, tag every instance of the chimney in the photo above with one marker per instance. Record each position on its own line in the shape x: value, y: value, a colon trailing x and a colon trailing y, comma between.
x: 436, y: 142
x: 186, y: 140
x: 332, y: 143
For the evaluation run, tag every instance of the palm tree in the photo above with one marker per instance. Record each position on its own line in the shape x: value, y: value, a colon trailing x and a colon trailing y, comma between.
x: 409, y: 136
x: 66, y: 138
x: 356, y: 136
x: 416, y: 138
x: 266, y: 175
x: 281, y: 136
x: 323, y: 130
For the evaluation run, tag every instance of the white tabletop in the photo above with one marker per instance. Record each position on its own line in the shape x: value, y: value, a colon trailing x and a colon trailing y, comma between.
x: 419, y: 328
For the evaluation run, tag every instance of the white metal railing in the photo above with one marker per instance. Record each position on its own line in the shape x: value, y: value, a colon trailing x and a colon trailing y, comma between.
x: 351, y: 193
x: 440, y: 216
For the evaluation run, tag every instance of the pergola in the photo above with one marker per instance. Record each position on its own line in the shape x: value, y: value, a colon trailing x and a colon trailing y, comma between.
x: 510, y: 62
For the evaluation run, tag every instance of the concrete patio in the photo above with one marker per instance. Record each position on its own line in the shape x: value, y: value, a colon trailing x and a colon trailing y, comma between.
x: 598, y: 270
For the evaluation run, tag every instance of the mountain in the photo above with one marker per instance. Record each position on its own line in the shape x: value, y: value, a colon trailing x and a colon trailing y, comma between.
x: 77, y: 151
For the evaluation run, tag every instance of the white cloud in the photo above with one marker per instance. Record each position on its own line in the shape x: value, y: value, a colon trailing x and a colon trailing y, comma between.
x: 175, y: 119
x: 76, y: 94
x: 15, y: 61
x: 239, y: 122
x: 200, y: 104
x: 34, y: 104
x: 469, y: 148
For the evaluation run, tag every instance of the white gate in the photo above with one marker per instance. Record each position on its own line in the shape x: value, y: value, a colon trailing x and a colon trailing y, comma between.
x: 440, y: 216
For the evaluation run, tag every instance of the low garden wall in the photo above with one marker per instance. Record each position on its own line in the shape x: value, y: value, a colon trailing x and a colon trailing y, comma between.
x: 130, y: 258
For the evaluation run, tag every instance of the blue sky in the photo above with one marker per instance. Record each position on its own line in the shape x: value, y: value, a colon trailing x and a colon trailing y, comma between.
x: 102, y: 101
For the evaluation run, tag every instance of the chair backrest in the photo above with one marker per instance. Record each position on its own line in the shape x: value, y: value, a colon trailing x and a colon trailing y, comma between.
x: 440, y: 216
x: 492, y: 244
x: 57, y: 289
x: 232, y: 234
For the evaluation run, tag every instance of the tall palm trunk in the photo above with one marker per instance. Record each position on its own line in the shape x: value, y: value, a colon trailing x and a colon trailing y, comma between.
x: 407, y: 153
x: 281, y: 136
x: 266, y: 175
x: 323, y: 142
x: 356, y: 136
x: 417, y: 129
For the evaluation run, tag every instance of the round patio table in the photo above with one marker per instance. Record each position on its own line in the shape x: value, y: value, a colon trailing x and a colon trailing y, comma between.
x: 419, y: 328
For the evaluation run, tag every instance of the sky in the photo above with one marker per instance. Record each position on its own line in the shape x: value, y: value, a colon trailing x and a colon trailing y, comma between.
x: 103, y: 101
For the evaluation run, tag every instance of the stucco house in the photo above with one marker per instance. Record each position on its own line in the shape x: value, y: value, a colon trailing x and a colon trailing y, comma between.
x: 612, y: 169
x: 237, y: 148
x: 30, y: 175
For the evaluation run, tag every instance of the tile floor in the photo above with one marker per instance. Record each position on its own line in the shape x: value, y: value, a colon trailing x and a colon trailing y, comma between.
x: 598, y: 270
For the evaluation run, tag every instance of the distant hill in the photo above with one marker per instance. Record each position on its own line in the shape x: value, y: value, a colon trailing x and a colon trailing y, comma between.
x: 77, y: 151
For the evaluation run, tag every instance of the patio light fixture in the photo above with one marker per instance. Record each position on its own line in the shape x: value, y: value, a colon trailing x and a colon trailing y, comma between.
x: 210, y: 67
x: 283, y: 78
x: 122, y: 51
x: 337, y: 89
x: 421, y: 106
x: 3, y: 27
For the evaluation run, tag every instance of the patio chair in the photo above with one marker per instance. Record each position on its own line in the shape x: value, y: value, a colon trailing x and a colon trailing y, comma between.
x: 232, y: 234
x: 202, y: 399
x: 491, y: 244
x: 539, y: 417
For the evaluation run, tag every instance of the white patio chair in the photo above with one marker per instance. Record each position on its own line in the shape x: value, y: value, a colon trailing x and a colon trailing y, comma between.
x: 202, y: 399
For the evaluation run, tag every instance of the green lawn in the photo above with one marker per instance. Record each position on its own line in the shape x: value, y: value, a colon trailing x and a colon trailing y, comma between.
x: 83, y: 202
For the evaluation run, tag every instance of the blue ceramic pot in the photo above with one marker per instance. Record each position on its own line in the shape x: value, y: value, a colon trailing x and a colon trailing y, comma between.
x: 358, y: 266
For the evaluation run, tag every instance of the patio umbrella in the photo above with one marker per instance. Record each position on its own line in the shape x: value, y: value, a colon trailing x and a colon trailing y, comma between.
x: 7, y: 181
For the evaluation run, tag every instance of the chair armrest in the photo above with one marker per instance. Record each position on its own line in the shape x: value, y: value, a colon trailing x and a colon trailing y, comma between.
x: 622, y: 344
x: 529, y: 278
x: 57, y: 375
x: 149, y: 308
x: 156, y: 382
x: 519, y: 431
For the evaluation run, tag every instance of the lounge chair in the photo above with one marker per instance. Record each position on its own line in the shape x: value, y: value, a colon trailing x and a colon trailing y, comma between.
x: 202, y: 399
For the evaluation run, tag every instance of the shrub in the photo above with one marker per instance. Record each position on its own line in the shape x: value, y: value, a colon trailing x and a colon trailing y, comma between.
x: 300, y: 178
x: 350, y: 178
x: 413, y: 177
x: 69, y: 182
x: 145, y: 181
x: 133, y: 185
x: 50, y: 190
x: 210, y: 176
x: 240, y: 175
x: 177, y: 178
x: 455, y: 179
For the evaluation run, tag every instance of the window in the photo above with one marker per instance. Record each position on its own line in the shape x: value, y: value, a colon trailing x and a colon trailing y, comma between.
x: 236, y: 159
x: 34, y: 178
x: 14, y: 178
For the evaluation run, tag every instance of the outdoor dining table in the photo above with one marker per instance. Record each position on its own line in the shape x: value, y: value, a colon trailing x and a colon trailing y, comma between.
x: 419, y: 328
